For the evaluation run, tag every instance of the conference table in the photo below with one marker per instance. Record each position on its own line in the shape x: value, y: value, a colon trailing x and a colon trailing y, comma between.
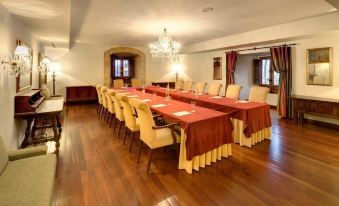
x: 251, y: 120
x: 206, y: 135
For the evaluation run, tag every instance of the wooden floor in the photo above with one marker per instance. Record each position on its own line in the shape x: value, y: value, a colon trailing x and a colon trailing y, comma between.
x: 298, y: 166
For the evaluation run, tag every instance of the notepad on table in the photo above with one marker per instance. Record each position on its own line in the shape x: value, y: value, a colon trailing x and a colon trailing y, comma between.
x: 146, y: 100
x: 184, y: 91
x: 158, y: 105
x: 243, y: 101
x: 133, y: 96
x: 182, y: 113
x: 216, y: 97
x: 124, y: 93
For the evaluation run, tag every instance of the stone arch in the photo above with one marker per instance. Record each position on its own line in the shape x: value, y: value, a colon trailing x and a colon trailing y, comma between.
x: 140, y: 63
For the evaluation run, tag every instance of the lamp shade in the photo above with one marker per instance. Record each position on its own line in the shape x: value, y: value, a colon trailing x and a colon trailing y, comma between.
x: 54, y: 67
x: 45, y: 61
x: 21, y: 51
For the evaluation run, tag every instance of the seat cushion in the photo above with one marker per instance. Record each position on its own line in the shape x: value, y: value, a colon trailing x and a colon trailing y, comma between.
x: 28, y: 181
x: 164, y: 138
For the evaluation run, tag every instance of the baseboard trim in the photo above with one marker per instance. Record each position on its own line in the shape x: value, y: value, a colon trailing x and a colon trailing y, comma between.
x: 325, y: 124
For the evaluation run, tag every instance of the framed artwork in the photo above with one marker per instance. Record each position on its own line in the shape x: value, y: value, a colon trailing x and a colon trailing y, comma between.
x: 319, y: 66
x: 25, y: 81
x: 217, y: 72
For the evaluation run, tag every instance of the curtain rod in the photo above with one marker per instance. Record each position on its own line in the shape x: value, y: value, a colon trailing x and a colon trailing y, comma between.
x: 266, y: 47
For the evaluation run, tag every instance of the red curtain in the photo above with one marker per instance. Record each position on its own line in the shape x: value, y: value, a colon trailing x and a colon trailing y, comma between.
x: 282, y: 63
x: 231, y: 63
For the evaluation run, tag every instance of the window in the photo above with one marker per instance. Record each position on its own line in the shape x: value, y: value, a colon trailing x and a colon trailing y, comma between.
x: 122, y: 68
x: 264, y: 75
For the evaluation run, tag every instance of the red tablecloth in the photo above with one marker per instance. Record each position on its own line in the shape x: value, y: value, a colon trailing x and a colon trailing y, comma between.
x: 205, y: 129
x: 255, y: 115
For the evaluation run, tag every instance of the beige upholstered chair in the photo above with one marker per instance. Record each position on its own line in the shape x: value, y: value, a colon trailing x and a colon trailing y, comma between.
x: 119, y: 115
x: 153, y: 136
x: 233, y: 91
x: 136, y: 82
x: 179, y: 84
x: 214, y: 89
x: 200, y: 87
x: 187, y: 86
x: 104, y: 111
x: 98, y: 87
x: 110, y: 106
x: 258, y: 94
x: 130, y: 118
x: 118, y: 83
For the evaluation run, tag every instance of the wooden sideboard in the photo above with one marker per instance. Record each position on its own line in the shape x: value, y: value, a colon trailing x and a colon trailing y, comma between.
x: 164, y: 84
x: 81, y: 94
x: 316, y: 106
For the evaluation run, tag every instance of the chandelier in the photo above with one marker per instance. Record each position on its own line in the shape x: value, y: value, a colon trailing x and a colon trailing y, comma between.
x: 165, y: 49
x: 18, y: 64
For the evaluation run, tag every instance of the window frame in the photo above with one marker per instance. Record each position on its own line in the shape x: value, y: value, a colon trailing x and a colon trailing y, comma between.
x: 272, y: 88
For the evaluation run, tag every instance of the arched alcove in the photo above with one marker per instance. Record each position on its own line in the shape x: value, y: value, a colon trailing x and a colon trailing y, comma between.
x: 140, y: 63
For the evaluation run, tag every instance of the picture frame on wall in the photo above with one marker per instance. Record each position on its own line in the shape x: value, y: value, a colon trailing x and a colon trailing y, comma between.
x: 217, y: 71
x: 319, y: 66
x: 24, y: 82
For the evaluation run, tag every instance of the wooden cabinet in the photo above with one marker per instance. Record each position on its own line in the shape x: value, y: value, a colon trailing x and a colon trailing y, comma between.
x: 315, y: 106
x: 164, y: 84
x: 81, y: 94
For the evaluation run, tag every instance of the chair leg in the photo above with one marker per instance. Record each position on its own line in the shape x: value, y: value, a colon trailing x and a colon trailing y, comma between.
x: 131, y: 142
x: 110, y: 120
x: 115, y: 122
x: 120, y: 123
x: 139, y: 152
x: 149, y: 160
x: 101, y: 111
x: 125, y: 132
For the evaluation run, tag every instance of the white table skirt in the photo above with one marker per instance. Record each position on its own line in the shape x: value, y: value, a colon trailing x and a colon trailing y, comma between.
x: 201, y: 160
x: 239, y: 136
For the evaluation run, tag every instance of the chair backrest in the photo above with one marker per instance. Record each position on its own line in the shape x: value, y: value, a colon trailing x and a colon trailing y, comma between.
x: 136, y: 82
x: 187, y: 86
x: 146, y: 122
x: 109, y: 99
x: 98, y: 88
x: 200, y: 87
x: 214, y: 89
x: 103, y: 91
x: 179, y: 84
x: 233, y: 91
x: 130, y: 119
x: 258, y: 94
x: 3, y: 156
x: 118, y: 83
x: 118, y: 107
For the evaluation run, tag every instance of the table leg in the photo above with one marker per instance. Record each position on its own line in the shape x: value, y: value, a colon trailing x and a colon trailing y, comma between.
x: 28, y: 132
x: 55, y: 127
x: 59, y: 124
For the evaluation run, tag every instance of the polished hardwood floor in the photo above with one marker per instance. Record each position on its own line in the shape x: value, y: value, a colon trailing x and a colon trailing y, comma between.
x: 298, y: 166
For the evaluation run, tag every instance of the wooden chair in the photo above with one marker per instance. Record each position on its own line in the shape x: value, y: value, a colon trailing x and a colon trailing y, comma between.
x: 200, y: 87
x: 118, y: 83
x: 119, y: 115
x: 258, y: 94
x: 214, y: 89
x: 130, y: 119
x: 233, y: 91
x: 136, y: 82
x: 179, y: 85
x: 187, y: 86
x: 150, y: 134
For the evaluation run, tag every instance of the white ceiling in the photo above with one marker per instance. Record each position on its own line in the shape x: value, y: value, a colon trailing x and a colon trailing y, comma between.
x: 139, y: 22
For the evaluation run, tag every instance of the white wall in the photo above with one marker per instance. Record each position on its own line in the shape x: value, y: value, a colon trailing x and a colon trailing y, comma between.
x: 12, y: 130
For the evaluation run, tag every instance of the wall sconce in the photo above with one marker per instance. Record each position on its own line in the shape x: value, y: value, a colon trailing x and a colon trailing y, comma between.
x: 177, y: 68
x: 54, y: 67
x: 19, y: 64
x: 43, y: 66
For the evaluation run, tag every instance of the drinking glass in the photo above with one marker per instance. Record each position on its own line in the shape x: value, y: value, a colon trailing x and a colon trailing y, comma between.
x: 154, y: 95
x: 193, y: 106
x: 169, y: 100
